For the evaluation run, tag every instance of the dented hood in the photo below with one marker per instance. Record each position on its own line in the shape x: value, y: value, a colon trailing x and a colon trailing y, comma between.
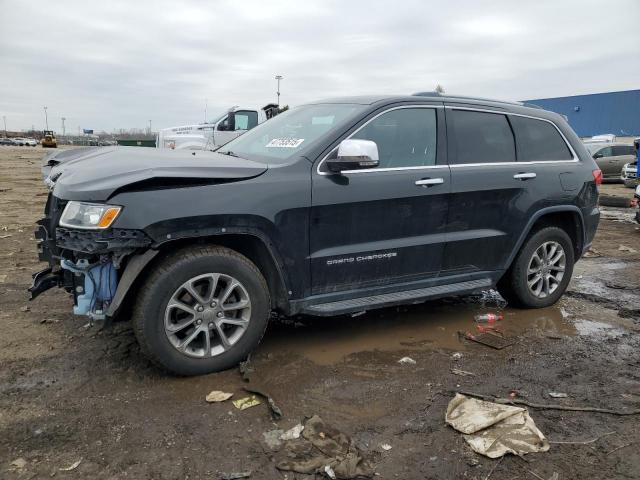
x: 99, y: 172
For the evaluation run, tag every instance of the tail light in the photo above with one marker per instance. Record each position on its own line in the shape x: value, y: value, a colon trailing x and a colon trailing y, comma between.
x: 597, y: 176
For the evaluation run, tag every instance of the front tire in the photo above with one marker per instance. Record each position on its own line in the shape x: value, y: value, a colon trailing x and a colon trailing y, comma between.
x: 201, y: 310
x: 541, y: 271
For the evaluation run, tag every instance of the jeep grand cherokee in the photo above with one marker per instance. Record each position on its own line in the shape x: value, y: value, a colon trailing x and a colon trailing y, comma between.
x: 333, y: 207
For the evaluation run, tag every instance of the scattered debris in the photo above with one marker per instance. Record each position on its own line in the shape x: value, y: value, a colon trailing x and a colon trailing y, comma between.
x: 235, y: 475
x: 456, y: 356
x: 581, y: 442
x: 624, y: 248
x: 558, y: 395
x: 26, y: 308
x: 462, y: 373
x: 5, y: 236
x: 592, y: 253
x: 292, y: 433
x: 329, y: 471
x: 218, y: 396
x: 488, y: 318
x: 19, y: 463
x: 3, y: 277
x: 490, y: 340
x: 73, y: 466
x: 246, y: 402
x: 407, y: 361
x: 321, y: 446
x: 386, y: 447
x: 252, y: 386
x: 273, y: 438
x: 492, y: 429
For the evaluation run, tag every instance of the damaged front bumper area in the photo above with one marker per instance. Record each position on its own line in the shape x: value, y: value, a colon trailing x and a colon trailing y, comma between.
x: 86, y: 263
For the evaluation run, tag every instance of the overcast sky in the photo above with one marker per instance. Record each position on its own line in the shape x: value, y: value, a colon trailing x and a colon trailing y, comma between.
x: 110, y: 64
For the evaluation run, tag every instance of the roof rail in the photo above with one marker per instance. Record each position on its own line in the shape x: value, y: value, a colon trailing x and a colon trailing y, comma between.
x: 462, y: 97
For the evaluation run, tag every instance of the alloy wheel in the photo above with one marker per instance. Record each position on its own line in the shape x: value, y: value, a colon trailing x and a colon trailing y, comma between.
x: 207, y: 315
x: 546, y: 269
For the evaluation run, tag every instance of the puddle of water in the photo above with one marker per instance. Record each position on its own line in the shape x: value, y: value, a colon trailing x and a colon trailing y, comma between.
x: 431, y: 325
x: 626, y: 215
x: 590, y: 327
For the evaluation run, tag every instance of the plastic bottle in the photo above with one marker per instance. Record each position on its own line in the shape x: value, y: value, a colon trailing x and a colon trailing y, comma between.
x: 488, y: 318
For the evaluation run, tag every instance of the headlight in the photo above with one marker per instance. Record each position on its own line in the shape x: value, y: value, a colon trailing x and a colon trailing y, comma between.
x: 91, y: 216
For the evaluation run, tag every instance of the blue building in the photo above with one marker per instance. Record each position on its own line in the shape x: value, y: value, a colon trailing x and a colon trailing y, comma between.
x: 599, y: 113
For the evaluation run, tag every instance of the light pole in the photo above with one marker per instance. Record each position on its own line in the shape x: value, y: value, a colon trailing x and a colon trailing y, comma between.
x: 149, y: 127
x: 278, y: 78
x: 4, y: 119
x: 46, y: 119
x: 63, y: 129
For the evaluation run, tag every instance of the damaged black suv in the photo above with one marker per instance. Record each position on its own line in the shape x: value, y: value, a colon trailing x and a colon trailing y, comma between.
x: 331, y: 208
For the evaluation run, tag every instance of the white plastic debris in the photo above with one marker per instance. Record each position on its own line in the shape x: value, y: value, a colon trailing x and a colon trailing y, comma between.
x: 329, y: 471
x: 386, y: 447
x: 292, y: 433
x: 73, y: 466
x: 19, y: 463
x: 492, y: 429
x: 218, y: 396
x: 456, y: 356
x: 407, y: 361
x: 624, y: 248
x: 558, y: 395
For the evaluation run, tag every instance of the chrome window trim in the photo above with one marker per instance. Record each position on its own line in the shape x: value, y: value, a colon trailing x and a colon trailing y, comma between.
x: 385, y: 169
x: 573, y: 153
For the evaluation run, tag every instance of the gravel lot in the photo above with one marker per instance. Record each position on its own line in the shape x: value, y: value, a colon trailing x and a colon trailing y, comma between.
x: 70, y: 393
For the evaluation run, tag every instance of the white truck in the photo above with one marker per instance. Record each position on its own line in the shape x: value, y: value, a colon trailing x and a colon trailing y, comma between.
x: 207, y: 136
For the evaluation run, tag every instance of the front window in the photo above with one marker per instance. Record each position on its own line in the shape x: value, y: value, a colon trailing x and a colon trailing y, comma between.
x: 285, y: 135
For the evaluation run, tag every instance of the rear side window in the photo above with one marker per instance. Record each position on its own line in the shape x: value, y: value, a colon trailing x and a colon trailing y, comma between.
x: 482, y: 137
x: 623, y: 150
x: 537, y: 140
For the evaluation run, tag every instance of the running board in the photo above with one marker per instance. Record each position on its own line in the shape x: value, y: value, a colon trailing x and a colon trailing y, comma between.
x: 388, y: 299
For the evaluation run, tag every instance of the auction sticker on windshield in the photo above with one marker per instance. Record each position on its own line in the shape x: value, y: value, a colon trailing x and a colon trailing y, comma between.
x: 285, y: 143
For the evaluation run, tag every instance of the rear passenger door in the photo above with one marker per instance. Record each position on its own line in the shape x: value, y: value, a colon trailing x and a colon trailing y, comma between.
x: 504, y: 167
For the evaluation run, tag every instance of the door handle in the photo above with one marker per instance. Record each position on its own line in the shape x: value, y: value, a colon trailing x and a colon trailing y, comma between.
x: 429, y: 182
x: 524, y: 176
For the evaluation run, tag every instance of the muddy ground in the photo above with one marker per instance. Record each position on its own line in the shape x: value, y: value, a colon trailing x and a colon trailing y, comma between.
x: 69, y: 393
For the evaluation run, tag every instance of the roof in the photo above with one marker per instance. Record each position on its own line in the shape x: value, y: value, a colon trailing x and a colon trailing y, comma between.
x: 598, y: 113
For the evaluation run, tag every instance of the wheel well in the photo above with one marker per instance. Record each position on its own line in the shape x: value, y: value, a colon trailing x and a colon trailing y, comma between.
x: 251, y: 247
x: 567, y: 221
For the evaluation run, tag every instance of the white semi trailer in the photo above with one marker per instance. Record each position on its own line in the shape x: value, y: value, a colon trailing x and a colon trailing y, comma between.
x: 207, y: 136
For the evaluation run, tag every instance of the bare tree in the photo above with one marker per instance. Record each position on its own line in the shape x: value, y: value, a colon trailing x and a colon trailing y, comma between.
x: 439, y: 88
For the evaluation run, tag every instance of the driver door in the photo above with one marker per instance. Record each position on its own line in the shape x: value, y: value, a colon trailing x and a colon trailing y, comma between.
x: 386, y: 224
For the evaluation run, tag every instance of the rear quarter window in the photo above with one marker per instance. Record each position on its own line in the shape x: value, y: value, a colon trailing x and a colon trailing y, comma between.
x: 538, y: 140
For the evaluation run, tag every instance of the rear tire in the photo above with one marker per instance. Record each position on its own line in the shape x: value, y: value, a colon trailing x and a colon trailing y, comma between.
x: 163, y: 330
x: 541, y: 271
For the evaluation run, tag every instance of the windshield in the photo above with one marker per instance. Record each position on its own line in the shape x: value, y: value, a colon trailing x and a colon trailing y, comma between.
x: 280, y: 138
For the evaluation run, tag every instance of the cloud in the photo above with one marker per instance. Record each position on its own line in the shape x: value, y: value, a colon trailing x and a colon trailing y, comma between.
x: 108, y: 65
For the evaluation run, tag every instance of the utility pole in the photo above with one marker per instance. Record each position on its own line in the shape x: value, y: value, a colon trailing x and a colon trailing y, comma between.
x: 278, y: 78
x: 206, y: 102
x: 63, y: 129
x: 149, y: 127
x: 46, y: 118
x: 4, y: 119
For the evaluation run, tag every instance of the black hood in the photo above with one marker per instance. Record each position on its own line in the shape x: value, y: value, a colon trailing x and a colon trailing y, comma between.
x: 96, y: 173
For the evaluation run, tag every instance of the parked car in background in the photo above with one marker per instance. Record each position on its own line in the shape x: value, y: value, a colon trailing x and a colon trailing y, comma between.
x: 18, y: 141
x: 606, y: 138
x: 330, y: 208
x: 30, y: 142
x: 629, y: 174
x: 6, y: 141
x: 611, y: 157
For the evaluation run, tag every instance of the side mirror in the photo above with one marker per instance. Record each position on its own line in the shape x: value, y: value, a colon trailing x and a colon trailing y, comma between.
x: 354, y: 155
